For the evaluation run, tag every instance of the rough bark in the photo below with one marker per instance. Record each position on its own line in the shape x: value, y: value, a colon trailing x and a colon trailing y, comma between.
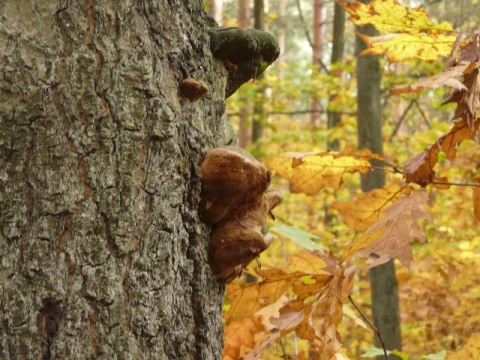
x: 384, y: 286
x: 102, y: 252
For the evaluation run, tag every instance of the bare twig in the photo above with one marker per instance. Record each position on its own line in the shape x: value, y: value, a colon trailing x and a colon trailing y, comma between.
x: 309, y: 39
x: 294, y: 112
x: 375, y: 329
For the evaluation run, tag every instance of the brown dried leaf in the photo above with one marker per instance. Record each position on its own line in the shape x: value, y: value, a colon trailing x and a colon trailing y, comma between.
x: 445, y: 78
x: 419, y: 169
x: 367, y: 209
x: 400, y: 229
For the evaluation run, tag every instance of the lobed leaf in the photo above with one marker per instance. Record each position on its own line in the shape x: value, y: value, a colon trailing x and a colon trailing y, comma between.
x: 310, y: 172
x: 391, y: 236
x: 367, y: 209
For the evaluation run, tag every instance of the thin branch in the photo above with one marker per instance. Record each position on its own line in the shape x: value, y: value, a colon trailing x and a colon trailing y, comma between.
x: 309, y: 39
x: 454, y: 184
x: 297, y: 112
x: 375, y: 329
x: 400, y: 121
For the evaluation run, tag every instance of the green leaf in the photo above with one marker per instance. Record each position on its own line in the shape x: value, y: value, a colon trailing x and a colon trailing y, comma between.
x: 299, y: 236
x: 438, y: 356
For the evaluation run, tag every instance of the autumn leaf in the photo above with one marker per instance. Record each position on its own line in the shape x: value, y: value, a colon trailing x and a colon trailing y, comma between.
x: 402, y: 47
x: 240, y: 337
x: 310, y: 172
x: 470, y: 351
x: 367, y: 209
x: 247, y: 299
x: 419, y: 169
x: 445, y: 78
x: 408, y: 32
x: 391, y: 236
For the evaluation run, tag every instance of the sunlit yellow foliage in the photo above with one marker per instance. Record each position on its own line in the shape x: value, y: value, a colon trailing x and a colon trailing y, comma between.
x: 408, y: 32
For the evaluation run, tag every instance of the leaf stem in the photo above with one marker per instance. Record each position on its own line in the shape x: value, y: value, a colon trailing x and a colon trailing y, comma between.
x: 373, y: 327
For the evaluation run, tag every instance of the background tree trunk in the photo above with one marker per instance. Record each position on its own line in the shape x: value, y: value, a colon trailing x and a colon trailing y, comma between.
x: 244, y: 123
x: 385, y: 302
x: 259, y: 117
x: 102, y: 254
x: 315, y: 106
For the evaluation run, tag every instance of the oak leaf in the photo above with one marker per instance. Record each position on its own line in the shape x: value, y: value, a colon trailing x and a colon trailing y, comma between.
x: 409, y: 32
x: 419, y: 169
x: 240, y: 337
x: 247, y: 299
x: 367, y: 209
x: 310, y: 172
x: 391, y: 236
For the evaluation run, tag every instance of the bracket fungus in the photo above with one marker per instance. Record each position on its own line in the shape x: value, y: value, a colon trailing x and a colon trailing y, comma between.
x: 236, y: 201
x: 245, y: 53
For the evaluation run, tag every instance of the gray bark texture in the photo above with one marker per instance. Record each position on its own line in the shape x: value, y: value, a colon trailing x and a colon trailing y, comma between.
x: 102, y: 253
x: 383, y: 280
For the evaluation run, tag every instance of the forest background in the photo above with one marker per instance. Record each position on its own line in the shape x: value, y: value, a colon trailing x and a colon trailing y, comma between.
x: 289, y: 109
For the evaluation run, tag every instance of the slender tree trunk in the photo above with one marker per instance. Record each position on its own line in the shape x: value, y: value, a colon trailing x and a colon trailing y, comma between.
x: 385, y: 303
x: 244, y: 124
x: 258, y: 117
x: 102, y: 253
x: 317, y: 53
x: 282, y: 11
x: 216, y: 10
x: 338, y: 42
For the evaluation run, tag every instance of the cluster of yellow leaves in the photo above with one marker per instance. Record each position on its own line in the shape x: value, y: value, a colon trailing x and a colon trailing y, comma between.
x: 408, y: 33
x: 310, y: 172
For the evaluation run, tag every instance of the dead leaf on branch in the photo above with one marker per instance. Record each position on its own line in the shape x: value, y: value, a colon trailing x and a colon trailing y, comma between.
x: 390, y: 237
x: 310, y: 172
x: 367, y: 209
x: 419, y: 169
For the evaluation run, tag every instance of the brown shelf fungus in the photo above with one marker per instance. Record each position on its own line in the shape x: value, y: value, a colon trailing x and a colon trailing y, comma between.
x: 236, y: 201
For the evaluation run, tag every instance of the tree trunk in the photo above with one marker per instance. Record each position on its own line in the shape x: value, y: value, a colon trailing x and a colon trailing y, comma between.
x: 259, y: 116
x: 385, y: 303
x: 102, y: 253
x: 338, y: 42
x: 317, y: 54
x: 216, y: 10
x: 244, y: 124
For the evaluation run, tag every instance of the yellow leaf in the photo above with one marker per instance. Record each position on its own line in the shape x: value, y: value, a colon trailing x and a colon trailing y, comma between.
x: 409, y: 32
x: 470, y: 351
x: 310, y: 172
x: 401, y: 47
x: 367, y: 209
x: 390, y: 16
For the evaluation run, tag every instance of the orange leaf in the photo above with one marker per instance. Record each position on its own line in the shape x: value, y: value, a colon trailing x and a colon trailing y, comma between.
x: 419, y: 169
x: 240, y: 337
x: 391, y: 236
x: 366, y: 210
